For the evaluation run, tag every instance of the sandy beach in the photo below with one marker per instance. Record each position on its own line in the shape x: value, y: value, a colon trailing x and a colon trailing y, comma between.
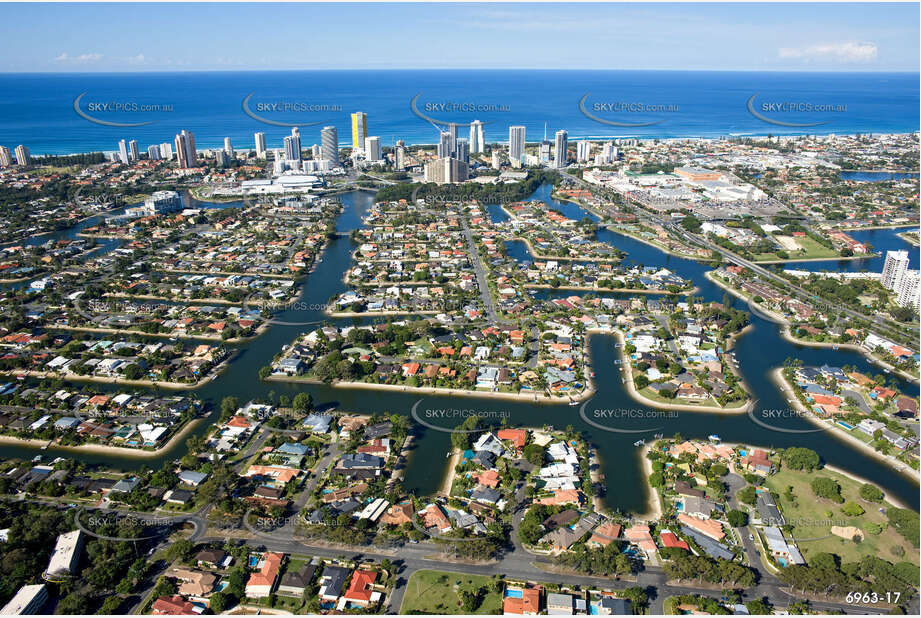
x: 584, y: 288
x: 653, y: 504
x: 445, y: 488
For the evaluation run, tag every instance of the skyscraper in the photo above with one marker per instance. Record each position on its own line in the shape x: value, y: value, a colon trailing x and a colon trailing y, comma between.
x: 908, y: 290
x: 452, y: 129
x: 293, y: 148
x: 166, y: 150
x: 462, y: 151
x: 6, y: 158
x: 562, y: 142
x: 22, y: 155
x: 373, y: 148
x: 228, y: 147
x: 186, y: 154
x: 399, y: 156
x: 445, y: 170
x: 123, y: 152
x: 583, y: 151
x: 543, y: 151
x: 260, y: 145
x: 133, y: 150
x: 153, y: 152
x: 894, y: 268
x: 359, y: 130
x: 516, y: 141
x: 477, y: 142
x: 445, y: 145
x: 329, y: 145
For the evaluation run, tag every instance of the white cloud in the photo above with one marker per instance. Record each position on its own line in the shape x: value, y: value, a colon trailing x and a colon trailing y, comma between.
x: 836, y: 52
x: 65, y: 57
x: 139, y: 59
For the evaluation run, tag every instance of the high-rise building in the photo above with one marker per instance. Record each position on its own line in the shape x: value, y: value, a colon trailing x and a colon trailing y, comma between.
x: 329, y: 145
x: 562, y: 143
x: 166, y: 150
x: 445, y: 145
x: 314, y: 151
x: 153, y: 152
x: 260, y: 145
x: 452, y: 129
x: 186, y: 154
x: 293, y: 147
x: 446, y: 170
x: 123, y: 151
x: 228, y: 147
x: 894, y: 268
x: 22, y: 155
x: 161, y: 202
x: 359, y: 130
x: 373, y: 148
x: 477, y: 142
x: 908, y: 290
x: 399, y: 156
x: 496, y: 159
x: 609, y: 152
x: 133, y: 150
x: 6, y: 157
x: 543, y: 151
x: 516, y: 142
x: 583, y: 151
x: 462, y: 151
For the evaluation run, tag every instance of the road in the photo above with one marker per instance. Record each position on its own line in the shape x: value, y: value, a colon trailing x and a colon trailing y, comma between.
x: 733, y: 258
x: 480, y: 271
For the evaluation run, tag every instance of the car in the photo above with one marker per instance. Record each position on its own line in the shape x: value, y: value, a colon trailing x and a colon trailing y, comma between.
x: 751, y: 537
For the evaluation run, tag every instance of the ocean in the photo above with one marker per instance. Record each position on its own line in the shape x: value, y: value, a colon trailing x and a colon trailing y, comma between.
x: 38, y: 110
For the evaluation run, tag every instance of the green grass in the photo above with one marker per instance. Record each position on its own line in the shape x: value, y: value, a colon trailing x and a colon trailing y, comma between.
x: 810, y: 250
x: 436, y: 592
x: 810, y: 516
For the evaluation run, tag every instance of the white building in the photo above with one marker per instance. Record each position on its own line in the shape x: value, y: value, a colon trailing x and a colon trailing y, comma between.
x: 373, y: 148
x: 28, y: 600
x: 66, y: 556
x: 516, y: 143
x: 477, y: 142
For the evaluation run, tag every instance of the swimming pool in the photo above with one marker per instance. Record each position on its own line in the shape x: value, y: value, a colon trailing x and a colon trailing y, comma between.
x: 514, y: 594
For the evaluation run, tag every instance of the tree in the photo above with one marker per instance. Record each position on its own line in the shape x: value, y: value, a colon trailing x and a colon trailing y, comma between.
x: 265, y: 372
x: 737, y: 519
x: 800, y: 458
x: 748, y: 495
x: 827, y: 488
x: 302, y: 402
x: 760, y: 607
x: 534, y: 453
x: 133, y: 372
x: 871, y: 493
x: 74, y: 603
x: 852, y: 509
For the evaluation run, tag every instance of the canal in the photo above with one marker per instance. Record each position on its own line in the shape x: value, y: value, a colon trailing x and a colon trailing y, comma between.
x: 759, y: 351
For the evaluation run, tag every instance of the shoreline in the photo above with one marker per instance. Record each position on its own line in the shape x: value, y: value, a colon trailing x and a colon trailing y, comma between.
x: 653, y: 503
x: 631, y: 390
x: 841, y: 434
x: 448, y: 480
x: 612, y: 227
x: 532, y: 396
x: 784, y: 323
x: 868, y: 256
x: 105, y: 449
x: 582, y: 288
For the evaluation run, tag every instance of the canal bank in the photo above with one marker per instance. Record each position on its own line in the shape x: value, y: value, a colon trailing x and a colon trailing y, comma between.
x: 758, y: 352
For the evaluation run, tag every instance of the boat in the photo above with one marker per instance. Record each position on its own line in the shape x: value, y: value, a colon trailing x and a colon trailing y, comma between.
x: 639, y: 443
x: 714, y: 438
x: 573, y: 403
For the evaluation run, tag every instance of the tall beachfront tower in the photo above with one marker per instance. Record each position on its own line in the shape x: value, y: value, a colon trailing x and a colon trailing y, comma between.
x: 477, y: 143
x: 186, y: 154
x: 260, y: 145
x: 562, y: 143
x: 359, y: 130
x: 329, y: 145
x: 516, y: 137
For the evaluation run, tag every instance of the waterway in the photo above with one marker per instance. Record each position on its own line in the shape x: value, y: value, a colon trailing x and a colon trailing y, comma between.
x: 759, y: 351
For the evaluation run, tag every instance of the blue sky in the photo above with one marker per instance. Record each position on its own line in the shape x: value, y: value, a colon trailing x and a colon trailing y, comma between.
x: 182, y: 37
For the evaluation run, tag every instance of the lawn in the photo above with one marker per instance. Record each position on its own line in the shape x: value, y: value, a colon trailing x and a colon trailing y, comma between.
x: 436, y: 592
x: 810, y: 249
x: 811, y: 519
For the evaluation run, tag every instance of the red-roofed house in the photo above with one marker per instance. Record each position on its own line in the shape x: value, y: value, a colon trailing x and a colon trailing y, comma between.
x: 173, y: 606
x: 670, y: 540
x: 361, y: 589
x: 523, y: 601
x: 262, y: 584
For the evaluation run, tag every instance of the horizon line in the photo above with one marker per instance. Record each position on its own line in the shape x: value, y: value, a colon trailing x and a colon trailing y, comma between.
x: 392, y: 69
